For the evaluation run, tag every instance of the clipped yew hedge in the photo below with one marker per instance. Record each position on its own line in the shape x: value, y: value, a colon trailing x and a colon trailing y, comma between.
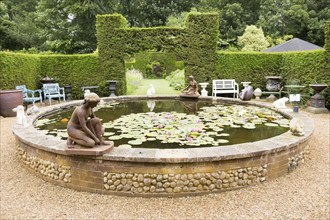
x: 76, y: 71
x: 248, y: 67
x: 195, y: 44
x: 307, y: 67
x: 18, y: 69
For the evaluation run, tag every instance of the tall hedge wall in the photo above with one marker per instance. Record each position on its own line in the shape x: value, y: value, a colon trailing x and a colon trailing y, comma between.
x: 327, y: 42
x: 196, y: 44
x: 248, y: 67
x: 75, y: 70
x: 18, y: 69
x: 307, y: 67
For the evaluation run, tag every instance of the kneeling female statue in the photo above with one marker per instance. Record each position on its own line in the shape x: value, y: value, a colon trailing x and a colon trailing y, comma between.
x: 84, y: 128
x: 191, y: 89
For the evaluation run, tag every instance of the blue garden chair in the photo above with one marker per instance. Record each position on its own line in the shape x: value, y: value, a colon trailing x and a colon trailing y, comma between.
x: 30, y: 96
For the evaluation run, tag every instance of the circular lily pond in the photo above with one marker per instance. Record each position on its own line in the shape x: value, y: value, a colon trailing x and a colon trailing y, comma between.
x: 176, y: 123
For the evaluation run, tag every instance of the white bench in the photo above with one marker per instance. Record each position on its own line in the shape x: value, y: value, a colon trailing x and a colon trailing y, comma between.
x: 225, y: 86
x: 53, y: 90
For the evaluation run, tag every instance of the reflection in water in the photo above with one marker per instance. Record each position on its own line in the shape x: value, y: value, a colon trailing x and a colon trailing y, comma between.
x: 151, y: 104
x: 190, y: 106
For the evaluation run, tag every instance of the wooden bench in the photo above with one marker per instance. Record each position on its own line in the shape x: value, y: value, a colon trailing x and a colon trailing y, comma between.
x: 225, y: 86
x: 53, y: 90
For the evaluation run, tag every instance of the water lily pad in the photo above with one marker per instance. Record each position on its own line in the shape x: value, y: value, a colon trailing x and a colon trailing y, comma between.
x: 115, y: 137
x: 135, y: 142
x: 223, y: 134
x: 125, y: 146
x: 222, y: 141
x: 126, y: 135
x: 106, y: 134
x: 271, y: 124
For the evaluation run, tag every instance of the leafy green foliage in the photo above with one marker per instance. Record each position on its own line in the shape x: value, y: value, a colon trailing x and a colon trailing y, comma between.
x: 68, y: 26
x: 144, y: 62
x: 253, y: 39
x: 134, y: 80
x: 176, y: 79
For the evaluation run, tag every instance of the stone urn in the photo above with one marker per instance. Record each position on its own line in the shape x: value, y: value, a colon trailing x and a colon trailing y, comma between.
x: 257, y: 93
x: 317, y: 100
x: 47, y: 79
x: 112, y: 87
x: 273, y: 83
x: 10, y: 99
x: 204, y: 85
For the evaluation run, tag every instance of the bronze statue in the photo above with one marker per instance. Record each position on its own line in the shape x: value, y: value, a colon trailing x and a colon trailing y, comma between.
x: 191, y: 89
x: 84, y: 128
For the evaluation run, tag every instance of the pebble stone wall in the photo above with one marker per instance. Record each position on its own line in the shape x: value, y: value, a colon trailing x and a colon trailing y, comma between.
x: 177, y: 183
x: 44, y: 167
x: 155, y: 183
x: 298, y: 159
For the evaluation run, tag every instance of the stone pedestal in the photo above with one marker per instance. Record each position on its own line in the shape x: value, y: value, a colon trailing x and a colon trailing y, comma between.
x: 95, y: 151
x: 112, y: 87
x: 317, y: 101
x: 317, y: 105
x: 204, y: 91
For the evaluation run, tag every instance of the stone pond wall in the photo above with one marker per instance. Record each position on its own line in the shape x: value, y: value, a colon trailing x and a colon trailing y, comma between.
x: 100, y: 175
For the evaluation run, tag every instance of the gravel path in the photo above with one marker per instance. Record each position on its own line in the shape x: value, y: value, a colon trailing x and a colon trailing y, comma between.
x: 303, y: 194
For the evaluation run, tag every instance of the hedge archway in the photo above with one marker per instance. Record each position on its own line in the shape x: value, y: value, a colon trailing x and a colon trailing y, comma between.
x: 196, y: 44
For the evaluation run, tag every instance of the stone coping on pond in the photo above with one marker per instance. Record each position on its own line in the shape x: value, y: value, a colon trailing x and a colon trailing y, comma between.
x: 38, y: 139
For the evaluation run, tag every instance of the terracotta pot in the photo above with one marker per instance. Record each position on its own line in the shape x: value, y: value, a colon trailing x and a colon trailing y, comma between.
x: 10, y: 99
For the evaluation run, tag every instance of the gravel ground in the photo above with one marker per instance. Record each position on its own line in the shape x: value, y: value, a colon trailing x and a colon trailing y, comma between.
x: 302, y: 194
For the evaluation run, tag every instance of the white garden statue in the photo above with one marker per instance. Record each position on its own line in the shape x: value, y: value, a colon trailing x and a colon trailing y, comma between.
x: 280, y: 103
x: 32, y: 110
x: 20, y: 116
x: 297, y: 127
x: 87, y: 92
x: 151, y: 91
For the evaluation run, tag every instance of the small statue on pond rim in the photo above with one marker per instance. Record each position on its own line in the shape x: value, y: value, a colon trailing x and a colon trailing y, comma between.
x: 192, y: 88
x: 84, y: 128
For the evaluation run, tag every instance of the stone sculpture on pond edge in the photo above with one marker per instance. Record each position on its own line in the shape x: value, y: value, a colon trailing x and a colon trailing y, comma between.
x: 85, y: 131
x: 20, y: 116
x: 191, y: 91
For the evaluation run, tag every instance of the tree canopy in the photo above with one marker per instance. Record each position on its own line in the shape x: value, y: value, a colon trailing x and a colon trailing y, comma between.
x: 68, y: 26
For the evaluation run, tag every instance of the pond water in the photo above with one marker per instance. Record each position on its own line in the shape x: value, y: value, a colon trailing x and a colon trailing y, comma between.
x: 176, y: 123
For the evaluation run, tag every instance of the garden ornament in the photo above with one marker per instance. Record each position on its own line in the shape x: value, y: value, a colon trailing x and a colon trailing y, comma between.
x: 151, y: 91
x: 296, y: 127
x: 280, y: 103
x: 20, y: 116
x: 191, y: 89
x: 84, y: 128
x: 87, y: 92
x: 32, y: 110
x: 246, y: 93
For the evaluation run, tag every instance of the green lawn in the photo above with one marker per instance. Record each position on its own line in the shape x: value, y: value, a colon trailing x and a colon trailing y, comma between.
x: 162, y: 87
